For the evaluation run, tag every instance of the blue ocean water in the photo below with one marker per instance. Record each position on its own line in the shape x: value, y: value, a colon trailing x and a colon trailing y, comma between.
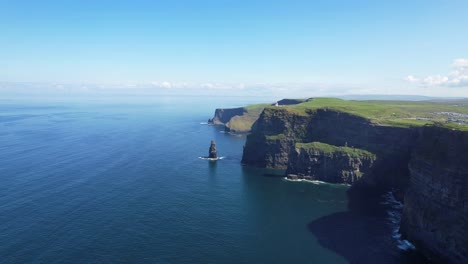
x: 120, y: 181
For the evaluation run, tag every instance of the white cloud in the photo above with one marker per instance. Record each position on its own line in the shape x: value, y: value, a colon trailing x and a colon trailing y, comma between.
x: 435, y: 80
x: 460, y: 63
x: 411, y: 78
x: 208, y: 85
x: 164, y: 84
x: 458, y: 77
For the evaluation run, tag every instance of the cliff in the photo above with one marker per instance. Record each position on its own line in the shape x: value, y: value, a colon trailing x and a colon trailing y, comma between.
x: 323, y: 162
x: 237, y: 120
x: 274, y: 135
x: 223, y: 116
x: 241, y: 119
x: 435, y: 214
x: 402, y: 146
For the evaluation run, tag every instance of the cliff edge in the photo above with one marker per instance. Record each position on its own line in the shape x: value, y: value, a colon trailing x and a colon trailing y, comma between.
x: 417, y: 148
x: 237, y: 120
x: 241, y: 119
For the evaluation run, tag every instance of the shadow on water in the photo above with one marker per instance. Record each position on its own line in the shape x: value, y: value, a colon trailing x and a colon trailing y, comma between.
x: 273, y: 173
x: 362, y: 235
x: 213, y: 164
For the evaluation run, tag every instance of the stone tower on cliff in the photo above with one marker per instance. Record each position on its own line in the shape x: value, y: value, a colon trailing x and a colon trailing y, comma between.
x: 213, y: 154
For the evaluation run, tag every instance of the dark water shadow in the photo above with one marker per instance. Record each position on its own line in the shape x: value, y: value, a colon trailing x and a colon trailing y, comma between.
x: 272, y: 175
x: 212, y: 164
x: 362, y: 235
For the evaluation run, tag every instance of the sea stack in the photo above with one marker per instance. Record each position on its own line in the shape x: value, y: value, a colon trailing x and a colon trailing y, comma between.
x: 213, y: 154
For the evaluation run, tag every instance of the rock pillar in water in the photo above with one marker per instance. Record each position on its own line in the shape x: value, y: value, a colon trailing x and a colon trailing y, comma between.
x: 213, y: 154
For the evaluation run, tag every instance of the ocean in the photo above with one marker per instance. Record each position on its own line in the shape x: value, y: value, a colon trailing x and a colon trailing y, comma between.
x: 120, y: 181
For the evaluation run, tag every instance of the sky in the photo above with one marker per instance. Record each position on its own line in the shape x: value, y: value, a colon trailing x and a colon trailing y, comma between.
x: 296, y: 48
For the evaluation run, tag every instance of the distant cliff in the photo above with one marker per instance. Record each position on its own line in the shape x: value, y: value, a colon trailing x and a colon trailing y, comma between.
x: 427, y: 162
x: 237, y: 120
x: 241, y: 119
x: 222, y: 116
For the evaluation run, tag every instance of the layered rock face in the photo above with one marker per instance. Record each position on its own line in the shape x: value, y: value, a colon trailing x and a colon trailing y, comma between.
x: 429, y: 164
x: 272, y: 138
x: 435, y: 215
x: 327, y: 163
x: 275, y: 133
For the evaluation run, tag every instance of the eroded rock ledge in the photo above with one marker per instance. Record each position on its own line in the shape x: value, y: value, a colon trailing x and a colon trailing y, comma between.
x: 328, y: 163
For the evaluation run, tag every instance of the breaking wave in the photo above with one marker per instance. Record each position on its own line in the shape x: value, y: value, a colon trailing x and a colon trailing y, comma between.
x: 205, y: 158
x: 302, y: 180
x: 394, y: 212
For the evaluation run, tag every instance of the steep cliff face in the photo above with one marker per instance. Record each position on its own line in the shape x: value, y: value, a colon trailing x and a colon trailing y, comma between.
x: 435, y: 215
x: 272, y: 138
x: 277, y: 130
x: 429, y: 164
x: 329, y: 163
x: 237, y: 120
x: 223, y: 116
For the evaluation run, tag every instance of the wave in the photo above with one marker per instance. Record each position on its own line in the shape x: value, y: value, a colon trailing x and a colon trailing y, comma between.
x: 302, y: 180
x: 317, y: 182
x: 207, y: 124
x: 206, y: 158
x: 394, y: 213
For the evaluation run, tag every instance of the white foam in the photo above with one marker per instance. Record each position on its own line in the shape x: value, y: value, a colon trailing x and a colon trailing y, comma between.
x: 203, y: 123
x: 206, y: 158
x: 394, y: 219
x: 303, y: 180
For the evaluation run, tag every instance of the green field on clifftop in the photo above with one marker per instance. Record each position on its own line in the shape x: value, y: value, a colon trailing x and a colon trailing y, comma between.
x: 244, y: 122
x: 448, y: 113
x: 330, y: 149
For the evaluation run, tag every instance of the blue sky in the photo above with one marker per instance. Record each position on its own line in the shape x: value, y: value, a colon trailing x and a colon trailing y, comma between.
x: 308, y: 47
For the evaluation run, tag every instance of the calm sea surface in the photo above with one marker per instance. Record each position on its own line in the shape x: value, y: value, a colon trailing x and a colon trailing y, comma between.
x: 120, y: 181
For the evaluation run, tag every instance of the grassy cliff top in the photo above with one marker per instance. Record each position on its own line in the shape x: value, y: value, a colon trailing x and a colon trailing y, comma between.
x: 331, y: 149
x: 243, y: 123
x: 448, y: 113
x: 256, y: 107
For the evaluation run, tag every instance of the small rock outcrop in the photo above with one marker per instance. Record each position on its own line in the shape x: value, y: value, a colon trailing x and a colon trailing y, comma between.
x: 212, y: 153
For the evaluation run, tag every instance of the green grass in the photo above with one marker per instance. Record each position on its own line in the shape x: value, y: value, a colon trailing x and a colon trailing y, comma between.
x: 276, y: 137
x: 394, y: 113
x: 331, y: 149
x: 243, y: 123
x: 256, y: 107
